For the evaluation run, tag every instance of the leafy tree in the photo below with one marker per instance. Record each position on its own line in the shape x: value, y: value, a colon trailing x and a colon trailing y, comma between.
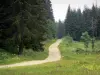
x: 68, y: 40
x: 86, y: 39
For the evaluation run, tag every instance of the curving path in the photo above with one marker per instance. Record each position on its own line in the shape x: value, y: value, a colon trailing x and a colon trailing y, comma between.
x: 54, y: 55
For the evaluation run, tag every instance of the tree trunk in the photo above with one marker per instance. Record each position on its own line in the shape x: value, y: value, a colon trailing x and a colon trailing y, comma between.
x: 20, y: 48
x: 93, y: 31
x: 92, y: 44
x: 22, y: 23
x: 21, y: 45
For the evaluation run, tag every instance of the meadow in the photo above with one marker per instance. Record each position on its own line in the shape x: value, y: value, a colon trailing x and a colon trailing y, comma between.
x: 75, y: 61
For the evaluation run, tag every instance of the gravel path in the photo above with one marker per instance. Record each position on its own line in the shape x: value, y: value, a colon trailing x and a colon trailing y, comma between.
x: 54, y: 55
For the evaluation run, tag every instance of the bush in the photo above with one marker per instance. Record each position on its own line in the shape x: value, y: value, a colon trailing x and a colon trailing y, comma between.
x: 4, y: 55
x: 79, y: 50
x: 68, y: 40
x: 86, y: 39
x: 10, y: 45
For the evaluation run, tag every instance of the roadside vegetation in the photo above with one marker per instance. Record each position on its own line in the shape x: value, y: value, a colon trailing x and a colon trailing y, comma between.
x: 9, y: 58
x: 75, y: 61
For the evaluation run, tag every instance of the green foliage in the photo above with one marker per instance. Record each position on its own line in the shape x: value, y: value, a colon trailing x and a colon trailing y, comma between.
x: 10, y: 46
x: 86, y: 39
x: 68, y: 40
x: 28, y: 54
x: 51, y: 30
x: 77, y: 22
x: 70, y: 64
x: 60, y: 29
x: 3, y: 55
x: 24, y: 23
x: 79, y: 50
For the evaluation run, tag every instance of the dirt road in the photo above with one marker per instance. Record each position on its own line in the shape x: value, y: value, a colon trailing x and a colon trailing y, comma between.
x: 54, y: 55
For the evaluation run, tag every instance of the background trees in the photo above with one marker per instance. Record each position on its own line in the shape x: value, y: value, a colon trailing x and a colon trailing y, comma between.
x: 77, y: 22
x: 60, y: 29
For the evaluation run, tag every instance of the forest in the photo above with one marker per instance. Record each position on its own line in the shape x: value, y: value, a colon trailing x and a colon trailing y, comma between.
x: 25, y: 24
x: 78, y: 21
x: 32, y: 42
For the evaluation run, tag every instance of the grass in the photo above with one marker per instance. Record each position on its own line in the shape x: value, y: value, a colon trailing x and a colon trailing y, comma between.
x: 72, y: 63
x: 8, y: 58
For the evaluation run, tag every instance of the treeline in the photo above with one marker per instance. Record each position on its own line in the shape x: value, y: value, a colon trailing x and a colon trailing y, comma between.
x: 60, y: 29
x: 25, y: 24
x: 78, y: 21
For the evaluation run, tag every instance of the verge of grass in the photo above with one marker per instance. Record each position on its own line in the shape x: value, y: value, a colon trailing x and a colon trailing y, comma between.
x: 28, y: 54
x: 70, y: 64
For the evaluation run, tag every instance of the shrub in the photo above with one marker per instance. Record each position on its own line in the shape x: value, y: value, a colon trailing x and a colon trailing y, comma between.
x: 86, y: 39
x: 79, y: 50
x: 68, y: 40
x: 10, y: 46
